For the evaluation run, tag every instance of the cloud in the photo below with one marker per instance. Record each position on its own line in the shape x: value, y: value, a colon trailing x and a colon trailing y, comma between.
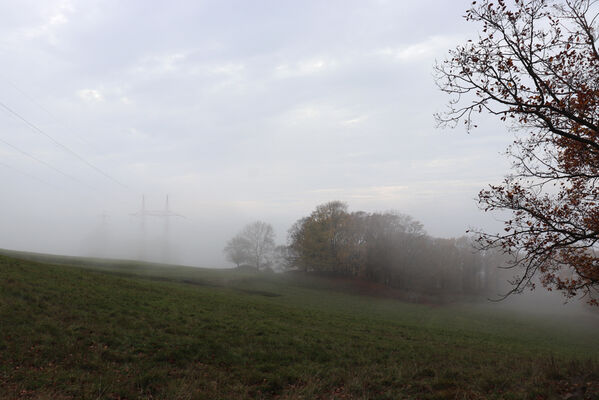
x: 419, y: 51
x: 303, y: 113
x: 58, y: 16
x: 446, y: 163
x: 389, y: 192
x: 183, y: 63
x: 321, y: 114
x: 90, y: 95
x: 355, y: 121
x: 248, y: 108
x: 306, y: 67
x: 160, y: 64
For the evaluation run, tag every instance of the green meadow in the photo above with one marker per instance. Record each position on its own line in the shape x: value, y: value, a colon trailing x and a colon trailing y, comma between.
x: 75, y: 328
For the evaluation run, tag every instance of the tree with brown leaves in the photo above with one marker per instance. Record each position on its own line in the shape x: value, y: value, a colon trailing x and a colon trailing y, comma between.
x: 535, y: 65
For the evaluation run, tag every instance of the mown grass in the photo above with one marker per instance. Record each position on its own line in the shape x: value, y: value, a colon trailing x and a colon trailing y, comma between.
x: 127, y: 330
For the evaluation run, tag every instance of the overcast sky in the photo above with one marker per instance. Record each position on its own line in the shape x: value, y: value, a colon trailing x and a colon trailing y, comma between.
x: 239, y: 110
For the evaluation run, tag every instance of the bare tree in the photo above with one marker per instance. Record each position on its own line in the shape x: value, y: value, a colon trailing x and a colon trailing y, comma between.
x: 260, y: 239
x: 535, y: 65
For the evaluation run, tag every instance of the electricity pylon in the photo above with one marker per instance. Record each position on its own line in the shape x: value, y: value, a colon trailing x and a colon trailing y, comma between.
x: 103, y: 234
x: 165, y: 214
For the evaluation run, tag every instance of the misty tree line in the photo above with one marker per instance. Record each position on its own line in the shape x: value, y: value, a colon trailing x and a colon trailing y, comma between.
x: 388, y: 248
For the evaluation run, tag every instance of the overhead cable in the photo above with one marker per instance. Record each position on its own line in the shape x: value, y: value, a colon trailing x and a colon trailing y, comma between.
x: 41, y: 107
x: 42, y: 162
x: 28, y: 97
x: 59, y: 144
x: 35, y: 178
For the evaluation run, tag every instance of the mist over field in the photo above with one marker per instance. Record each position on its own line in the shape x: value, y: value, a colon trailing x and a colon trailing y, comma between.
x: 253, y: 117
x: 261, y: 116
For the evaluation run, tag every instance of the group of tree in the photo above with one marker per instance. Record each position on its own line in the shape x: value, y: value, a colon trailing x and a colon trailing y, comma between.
x: 534, y: 65
x: 389, y: 248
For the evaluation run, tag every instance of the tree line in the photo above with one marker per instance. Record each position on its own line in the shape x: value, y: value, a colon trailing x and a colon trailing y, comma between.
x: 389, y: 248
x: 535, y: 65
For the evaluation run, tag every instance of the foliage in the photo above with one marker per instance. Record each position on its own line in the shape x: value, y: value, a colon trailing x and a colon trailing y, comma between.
x: 148, y: 332
x: 281, y: 257
x: 254, y: 245
x: 316, y: 240
x: 390, y: 248
x: 536, y: 66
x: 237, y: 250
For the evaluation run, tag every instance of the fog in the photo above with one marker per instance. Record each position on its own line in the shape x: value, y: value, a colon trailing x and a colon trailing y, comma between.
x: 237, y: 114
x: 75, y: 224
x: 257, y: 199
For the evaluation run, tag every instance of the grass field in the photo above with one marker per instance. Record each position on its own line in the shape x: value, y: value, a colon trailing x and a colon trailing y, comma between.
x: 97, y: 329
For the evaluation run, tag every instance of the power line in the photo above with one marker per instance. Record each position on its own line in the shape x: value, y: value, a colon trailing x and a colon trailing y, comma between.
x: 35, y: 178
x: 28, y: 97
x: 41, y: 107
x: 41, y: 162
x: 65, y: 148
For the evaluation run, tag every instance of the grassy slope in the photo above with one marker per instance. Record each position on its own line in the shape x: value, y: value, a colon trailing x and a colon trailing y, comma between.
x: 68, y: 332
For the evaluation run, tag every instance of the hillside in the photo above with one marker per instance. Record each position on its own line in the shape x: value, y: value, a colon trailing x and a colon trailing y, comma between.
x: 116, y: 330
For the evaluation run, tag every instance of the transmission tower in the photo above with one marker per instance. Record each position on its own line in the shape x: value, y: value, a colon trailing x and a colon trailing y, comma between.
x: 166, y: 214
x: 103, y: 234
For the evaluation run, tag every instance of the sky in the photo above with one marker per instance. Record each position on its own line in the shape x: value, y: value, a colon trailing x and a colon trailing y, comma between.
x: 238, y: 111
